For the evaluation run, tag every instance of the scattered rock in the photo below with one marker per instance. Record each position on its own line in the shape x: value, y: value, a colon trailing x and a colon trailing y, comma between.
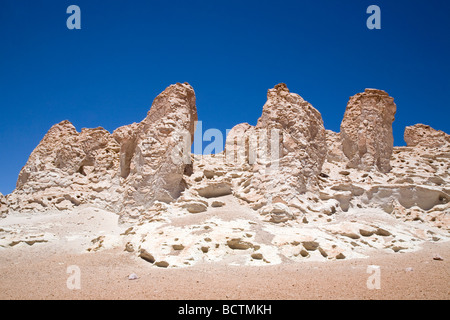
x: 146, y: 256
x: 304, y: 253
x: 277, y: 213
x: 214, y: 189
x: 162, y: 264
x: 310, y: 245
x: 129, y: 247
x: 257, y: 256
x: 204, y: 249
x: 340, y: 256
x: 194, y: 206
x: 398, y: 248
x: 382, y: 232
x: 323, y: 252
x: 438, y: 257
x: 217, y: 204
x: 133, y: 276
x: 177, y: 247
x: 366, y: 233
x: 239, y: 244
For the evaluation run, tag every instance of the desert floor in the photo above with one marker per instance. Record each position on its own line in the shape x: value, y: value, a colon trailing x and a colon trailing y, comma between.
x: 104, y: 275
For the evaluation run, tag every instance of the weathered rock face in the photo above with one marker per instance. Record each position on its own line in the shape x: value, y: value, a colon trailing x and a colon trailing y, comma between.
x: 66, y: 150
x: 68, y: 168
x: 312, y: 203
x: 124, y: 172
x: 156, y: 153
x: 3, y: 205
x: 366, y: 130
x: 425, y: 136
x: 286, y: 149
x: 300, y: 125
x: 334, y: 145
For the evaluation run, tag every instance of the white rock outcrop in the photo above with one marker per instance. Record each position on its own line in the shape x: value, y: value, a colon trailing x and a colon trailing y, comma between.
x: 285, y: 189
x: 156, y: 153
x: 68, y: 168
x: 125, y: 172
x: 3, y: 205
x: 285, y: 151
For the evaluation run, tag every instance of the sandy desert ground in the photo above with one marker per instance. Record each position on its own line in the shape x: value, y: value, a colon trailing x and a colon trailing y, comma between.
x: 38, y: 270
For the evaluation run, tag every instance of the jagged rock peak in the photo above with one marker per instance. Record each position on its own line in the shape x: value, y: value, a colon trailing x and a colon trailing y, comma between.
x: 426, y: 136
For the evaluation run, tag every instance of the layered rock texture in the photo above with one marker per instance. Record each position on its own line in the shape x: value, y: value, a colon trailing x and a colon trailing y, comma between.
x: 125, y: 171
x: 68, y: 168
x: 285, y: 151
x: 425, y: 136
x: 366, y: 130
x: 153, y: 153
x: 283, y: 190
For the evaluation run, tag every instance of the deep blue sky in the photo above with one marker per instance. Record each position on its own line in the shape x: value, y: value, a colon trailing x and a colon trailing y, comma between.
x: 108, y: 73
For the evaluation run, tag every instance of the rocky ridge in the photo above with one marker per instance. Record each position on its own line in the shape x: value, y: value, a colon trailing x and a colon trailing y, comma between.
x: 283, y: 190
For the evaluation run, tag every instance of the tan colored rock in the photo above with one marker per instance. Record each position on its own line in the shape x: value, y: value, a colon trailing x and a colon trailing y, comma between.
x: 194, y: 206
x: 68, y: 166
x: 3, y: 205
x: 426, y: 136
x: 217, y: 204
x: 158, y: 162
x: 277, y: 212
x: 334, y: 145
x: 126, y: 137
x: 126, y: 171
x: 366, y: 130
x: 64, y: 150
x: 285, y: 151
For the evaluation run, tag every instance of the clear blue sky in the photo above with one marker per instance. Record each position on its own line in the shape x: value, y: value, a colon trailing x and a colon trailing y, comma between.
x: 108, y: 73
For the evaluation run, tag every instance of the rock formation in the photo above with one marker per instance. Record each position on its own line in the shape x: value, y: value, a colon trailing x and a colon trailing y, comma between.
x: 366, y: 130
x: 3, y: 205
x: 285, y: 189
x: 425, y: 136
x: 286, y: 149
x: 124, y: 172
x: 156, y: 153
x: 334, y: 144
x: 68, y: 168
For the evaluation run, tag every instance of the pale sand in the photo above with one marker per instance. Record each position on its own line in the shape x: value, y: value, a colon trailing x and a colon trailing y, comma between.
x: 104, y: 275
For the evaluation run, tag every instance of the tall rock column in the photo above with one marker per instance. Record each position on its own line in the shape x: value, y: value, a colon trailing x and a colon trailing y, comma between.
x: 285, y: 150
x: 156, y: 152
x: 366, y: 130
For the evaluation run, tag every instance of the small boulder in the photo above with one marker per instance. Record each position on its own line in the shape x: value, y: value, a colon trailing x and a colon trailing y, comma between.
x: 133, y: 276
x: 146, y: 256
x: 162, y: 264
x: 194, y: 206
x: 438, y: 257
x: 239, y: 244
x: 217, y: 204
x: 277, y: 213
